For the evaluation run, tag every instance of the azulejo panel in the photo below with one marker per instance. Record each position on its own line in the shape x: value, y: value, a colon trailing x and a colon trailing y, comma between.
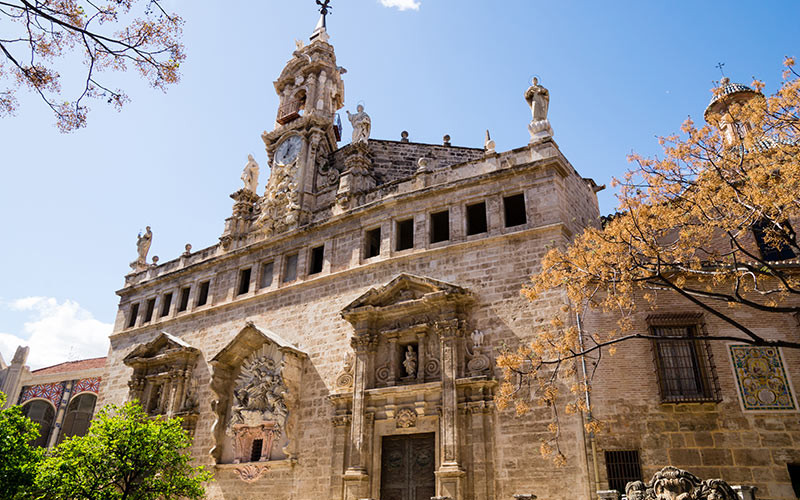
x: 51, y: 392
x: 761, y: 378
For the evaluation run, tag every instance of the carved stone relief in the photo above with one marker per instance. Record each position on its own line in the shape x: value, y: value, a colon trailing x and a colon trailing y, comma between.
x: 345, y: 378
x: 279, y: 208
x: 479, y: 362
x: 406, y: 418
x: 671, y: 483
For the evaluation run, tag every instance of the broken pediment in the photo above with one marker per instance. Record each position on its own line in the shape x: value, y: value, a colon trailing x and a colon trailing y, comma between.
x: 256, y: 382
x: 163, y: 348
x: 404, y: 292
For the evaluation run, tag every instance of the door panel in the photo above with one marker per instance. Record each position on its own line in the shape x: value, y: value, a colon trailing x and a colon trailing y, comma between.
x: 407, y: 467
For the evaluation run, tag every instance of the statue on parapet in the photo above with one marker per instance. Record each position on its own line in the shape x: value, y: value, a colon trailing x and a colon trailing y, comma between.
x: 143, y: 242
x: 250, y: 174
x: 538, y: 98
x: 362, y: 124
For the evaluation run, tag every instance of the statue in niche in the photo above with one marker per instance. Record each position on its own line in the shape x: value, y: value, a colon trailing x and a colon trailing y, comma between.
x: 410, y: 363
x: 142, y: 247
x: 538, y: 99
x: 361, y: 125
x: 259, y: 394
x: 250, y: 174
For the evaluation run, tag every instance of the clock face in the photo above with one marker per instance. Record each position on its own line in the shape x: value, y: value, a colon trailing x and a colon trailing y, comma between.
x: 288, y: 150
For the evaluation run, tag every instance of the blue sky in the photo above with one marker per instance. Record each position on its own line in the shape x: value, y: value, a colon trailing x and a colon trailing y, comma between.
x: 619, y: 74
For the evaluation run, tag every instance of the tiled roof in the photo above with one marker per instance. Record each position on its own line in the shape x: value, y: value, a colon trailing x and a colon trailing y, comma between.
x: 727, y: 89
x: 72, y: 366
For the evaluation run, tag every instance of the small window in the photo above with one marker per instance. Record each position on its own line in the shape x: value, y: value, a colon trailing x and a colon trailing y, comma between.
x: 405, y: 234
x: 266, y: 275
x: 372, y: 243
x: 440, y: 226
x: 684, y: 364
x: 317, y: 258
x: 42, y: 413
x: 244, y: 282
x: 184, y: 303
x: 794, y: 477
x: 514, y: 207
x: 622, y: 467
x: 769, y: 241
x: 255, y: 452
x: 149, y: 309
x: 166, y: 303
x: 290, y: 268
x: 202, y: 296
x: 476, y: 218
x: 133, y: 315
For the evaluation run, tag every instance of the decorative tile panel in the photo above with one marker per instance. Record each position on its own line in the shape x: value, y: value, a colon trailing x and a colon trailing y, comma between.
x: 51, y: 392
x: 761, y: 378
x: 87, y: 385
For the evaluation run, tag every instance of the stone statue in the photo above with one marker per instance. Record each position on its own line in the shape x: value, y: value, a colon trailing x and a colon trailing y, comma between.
x: 410, y: 363
x: 635, y: 490
x: 142, y: 247
x: 477, y: 338
x: 250, y: 174
x: 538, y: 99
x: 361, y: 125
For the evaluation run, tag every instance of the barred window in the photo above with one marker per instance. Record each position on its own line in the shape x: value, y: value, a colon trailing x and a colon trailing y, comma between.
x: 622, y: 467
x: 685, y: 368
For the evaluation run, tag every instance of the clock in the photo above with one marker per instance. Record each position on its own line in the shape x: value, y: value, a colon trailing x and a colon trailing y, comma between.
x: 288, y: 150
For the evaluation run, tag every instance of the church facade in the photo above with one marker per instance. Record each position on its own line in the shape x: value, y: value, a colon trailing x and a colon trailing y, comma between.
x: 339, y: 341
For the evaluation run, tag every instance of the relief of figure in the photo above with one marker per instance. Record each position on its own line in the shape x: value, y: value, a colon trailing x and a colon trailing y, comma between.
x: 538, y: 99
x: 250, y: 174
x: 361, y: 125
x: 477, y: 338
x: 635, y: 490
x: 410, y: 363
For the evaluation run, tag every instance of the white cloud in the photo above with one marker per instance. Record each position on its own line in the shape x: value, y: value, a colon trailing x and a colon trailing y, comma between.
x: 56, y: 332
x: 401, y: 4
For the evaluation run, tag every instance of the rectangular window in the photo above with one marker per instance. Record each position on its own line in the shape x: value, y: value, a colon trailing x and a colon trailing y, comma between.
x: 622, y: 467
x: 133, y: 315
x: 202, y: 295
x: 244, y: 282
x: 771, y: 241
x: 166, y: 303
x: 514, y: 208
x: 290, y: 268
x: 476, y: 218
x: 372, y: 243
x: 255, y: 452
x: 148, y: 311
x: 405, y: 234
x: 266, y: 275
x: 440, y: 226
x: 684, y: 364
x: 184, y: 303
x: 317, y: 258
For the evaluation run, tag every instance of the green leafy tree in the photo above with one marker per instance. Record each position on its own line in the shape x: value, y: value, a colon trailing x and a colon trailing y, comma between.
x: 126, y: 455
x: 18, y: 458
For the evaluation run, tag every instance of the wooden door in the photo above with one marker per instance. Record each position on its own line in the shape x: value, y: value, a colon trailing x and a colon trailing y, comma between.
x: 407, y: 466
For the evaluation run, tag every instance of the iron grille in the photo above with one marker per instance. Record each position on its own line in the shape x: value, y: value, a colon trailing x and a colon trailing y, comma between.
x: 685, y: 368
x: 622, y: 467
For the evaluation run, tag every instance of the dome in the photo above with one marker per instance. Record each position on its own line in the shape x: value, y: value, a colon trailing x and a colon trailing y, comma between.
x: 726, y: 89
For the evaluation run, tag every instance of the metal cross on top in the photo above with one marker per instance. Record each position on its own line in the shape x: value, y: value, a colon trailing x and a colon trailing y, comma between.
x: 719, y: 65
x: 324, y: 6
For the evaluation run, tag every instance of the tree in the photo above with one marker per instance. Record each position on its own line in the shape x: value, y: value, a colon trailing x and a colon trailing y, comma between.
x: 126, y: 455
x: 18, y: 458
x: 37, y: 35
x: 712, y: 222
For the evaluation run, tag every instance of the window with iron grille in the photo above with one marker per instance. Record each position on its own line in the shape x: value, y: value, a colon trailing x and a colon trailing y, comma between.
x: 685, y: 368
x: 622, y: 467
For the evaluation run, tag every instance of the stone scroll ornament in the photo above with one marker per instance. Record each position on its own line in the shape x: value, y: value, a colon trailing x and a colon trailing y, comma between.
x: 671, y: 483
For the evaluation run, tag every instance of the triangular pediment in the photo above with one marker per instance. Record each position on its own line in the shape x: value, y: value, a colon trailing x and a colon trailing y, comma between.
x: 163, y: 344
x: 403, y: 289
x: 248, y: 340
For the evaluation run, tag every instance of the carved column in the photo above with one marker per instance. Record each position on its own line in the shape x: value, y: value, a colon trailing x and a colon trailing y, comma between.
x: 355, y: 477
x: 450, y: 476
x: 394, y: 356
x: 421, y: 348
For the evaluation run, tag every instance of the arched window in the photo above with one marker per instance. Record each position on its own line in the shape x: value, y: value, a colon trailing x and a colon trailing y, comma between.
x: 42, y: 412
x: 79, y: 414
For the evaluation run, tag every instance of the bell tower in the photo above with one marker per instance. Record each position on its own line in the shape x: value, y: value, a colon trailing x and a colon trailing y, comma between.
x: 307, y: 129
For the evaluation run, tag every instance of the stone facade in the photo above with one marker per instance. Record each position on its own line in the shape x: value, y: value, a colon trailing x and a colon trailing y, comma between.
x: 343, y: 331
